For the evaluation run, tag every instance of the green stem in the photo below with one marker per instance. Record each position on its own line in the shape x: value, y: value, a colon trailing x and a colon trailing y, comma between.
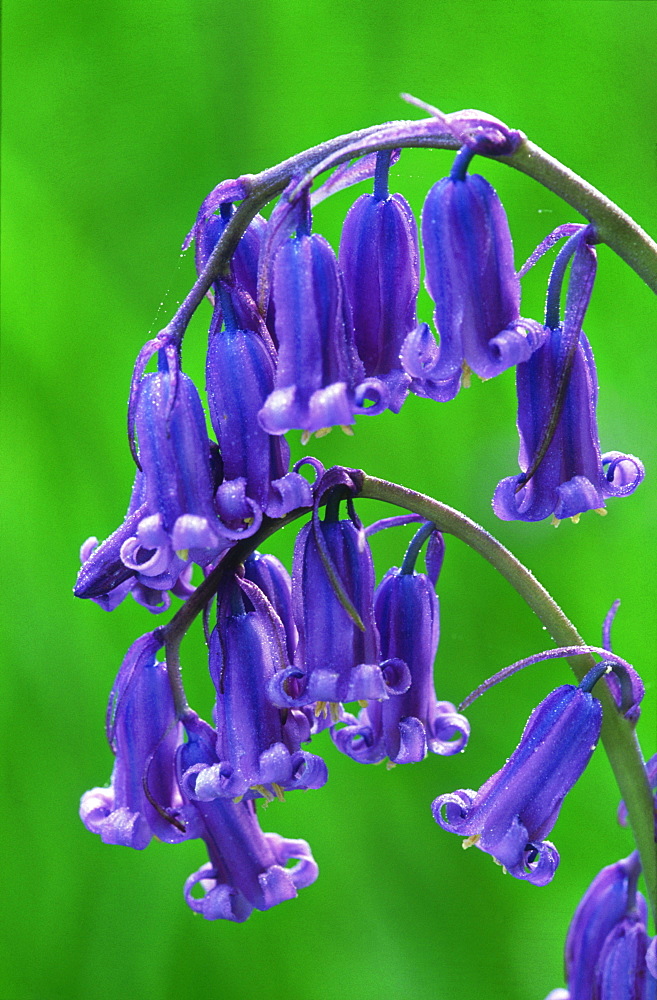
x: 618, y: 735
x: 614, y: 227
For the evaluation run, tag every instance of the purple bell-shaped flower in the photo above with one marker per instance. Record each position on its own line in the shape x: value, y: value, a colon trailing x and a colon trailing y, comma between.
x: 338, y: 654
x: 380, y: 263
x: 143, y: 734
x: 255, y: 463
x: 106, y: 579
x: 247, y: 868
x: 178, y: 525
x: 564, y: 473
x: 513, y: 811
x: 258, y: 745
x: 403, y: 728
x: 471, y: 277
x: 319, y: 380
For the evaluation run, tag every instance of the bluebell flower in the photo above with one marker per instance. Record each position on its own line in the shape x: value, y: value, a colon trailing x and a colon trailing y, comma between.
x: 338, y: 654
x: 244, y: 262
x: 258, y: 747
x: 256, y: 472
x: 471, y: 277
x: 171, y: 520
x: 319, y: 378
x: 405, y: 727
x: 563, y: 470
x: 143, y: 733
x: 181, y: 524
x: 513, y: 811
x: 247, y: 868
x: 380, y: 262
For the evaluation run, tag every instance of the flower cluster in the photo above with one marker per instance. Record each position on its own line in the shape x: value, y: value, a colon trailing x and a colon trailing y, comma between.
x: 303, y: 339
x: 285, y: 653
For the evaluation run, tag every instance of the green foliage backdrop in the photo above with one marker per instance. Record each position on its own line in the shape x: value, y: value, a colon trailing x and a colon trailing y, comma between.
x: 118, y: 118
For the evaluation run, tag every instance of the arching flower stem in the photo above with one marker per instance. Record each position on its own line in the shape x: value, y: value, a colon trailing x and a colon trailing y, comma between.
x: 614, y: 227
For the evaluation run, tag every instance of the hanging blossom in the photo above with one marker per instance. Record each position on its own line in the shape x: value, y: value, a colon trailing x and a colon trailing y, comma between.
x: 338, y: 655
x: 513, y: 811
x: 405, y: 727
x: 258, y: 747
x: 256, y: 476
x: 564, y: 473
x: 143, y: 799
x: 247, y: 868
x: 471, y: 277
x: 379, y: 259
x: 319, y: 378
x: 607, y: 944
x: 172, y: 521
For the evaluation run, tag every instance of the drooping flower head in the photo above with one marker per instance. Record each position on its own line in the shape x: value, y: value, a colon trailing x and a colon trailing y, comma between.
x: 564, y: 473
x: 338, y: 653
x: 514, y: 810
x: 258, y: 746
x: 319, y: 379
x: 255, y: 463
x: 471, y: 277
x: 171, y: 520
x: 405, y: 727
x: 247, y: 868
x: 143, y: 734
x: 379, y: 259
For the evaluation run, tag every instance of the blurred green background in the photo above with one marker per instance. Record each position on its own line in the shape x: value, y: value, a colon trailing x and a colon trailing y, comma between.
x: 118, y: 118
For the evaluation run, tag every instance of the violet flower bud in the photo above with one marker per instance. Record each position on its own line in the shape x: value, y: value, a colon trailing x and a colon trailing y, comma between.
x: 513, y: 811
x: 244, y: 262
x: 621, y: 971
x: 246, y: 869
x: 403, y: 728
x: 471, y: 277
x: 258, y: 746
x: 318, y: 376
x: 379, y: 260
x: 143, y: 733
